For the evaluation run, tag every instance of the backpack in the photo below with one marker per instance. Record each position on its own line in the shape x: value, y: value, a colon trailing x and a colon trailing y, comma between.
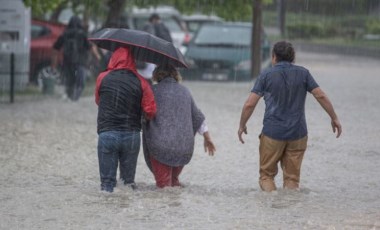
x: 73, y: 48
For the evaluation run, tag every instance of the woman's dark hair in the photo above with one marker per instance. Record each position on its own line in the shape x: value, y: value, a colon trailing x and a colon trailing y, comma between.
x: 164, y: 71
x: 283, y: 51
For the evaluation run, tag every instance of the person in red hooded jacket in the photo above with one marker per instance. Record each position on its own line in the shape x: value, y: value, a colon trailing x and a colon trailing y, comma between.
x: 123, y: 97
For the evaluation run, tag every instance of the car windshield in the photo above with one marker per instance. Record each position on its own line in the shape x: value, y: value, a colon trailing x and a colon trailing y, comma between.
x: 223, y: 35
x: 170, y: 22
x: 193, y: 25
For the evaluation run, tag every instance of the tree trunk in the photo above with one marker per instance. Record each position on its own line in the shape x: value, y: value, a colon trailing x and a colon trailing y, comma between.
x: 116, y: 10
x: 256, y: 38
x: 281, y: 10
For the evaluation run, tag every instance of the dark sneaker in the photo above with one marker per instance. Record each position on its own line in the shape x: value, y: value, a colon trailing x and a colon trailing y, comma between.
x: 107, y: 189
x: 133, y: 185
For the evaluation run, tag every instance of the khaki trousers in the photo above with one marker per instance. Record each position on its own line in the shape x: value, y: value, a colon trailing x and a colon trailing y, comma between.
x: 288, y: 153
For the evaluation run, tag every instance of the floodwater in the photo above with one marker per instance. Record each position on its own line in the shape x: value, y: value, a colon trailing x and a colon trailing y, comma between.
x: 49, y: 167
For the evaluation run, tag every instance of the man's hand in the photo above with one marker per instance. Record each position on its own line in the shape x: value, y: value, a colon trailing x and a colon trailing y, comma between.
x: 324, y: 101
x: 248, y: 108
x: 240, y: 133
x: 336, y: 127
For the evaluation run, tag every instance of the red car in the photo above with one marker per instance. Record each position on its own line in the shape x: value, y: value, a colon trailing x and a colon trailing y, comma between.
x: 43, y: 36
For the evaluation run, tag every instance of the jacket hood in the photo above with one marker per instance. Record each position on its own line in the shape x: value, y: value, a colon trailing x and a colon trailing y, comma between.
x: 122, y: 58
x: 75, y: 23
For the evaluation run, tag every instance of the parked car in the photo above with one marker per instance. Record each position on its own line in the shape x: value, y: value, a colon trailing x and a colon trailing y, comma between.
x: 43, y: 36
x: 222, y: 52
x: 195, y: 21
x: 169, y: 16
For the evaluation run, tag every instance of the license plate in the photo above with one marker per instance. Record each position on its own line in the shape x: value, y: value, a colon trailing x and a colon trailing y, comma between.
x: 215, y: 76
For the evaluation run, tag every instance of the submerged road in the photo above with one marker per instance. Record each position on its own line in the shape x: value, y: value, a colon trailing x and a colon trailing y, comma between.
x: 49, y: 167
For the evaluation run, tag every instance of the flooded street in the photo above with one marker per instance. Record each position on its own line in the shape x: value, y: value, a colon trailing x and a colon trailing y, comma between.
x: 50, y: 179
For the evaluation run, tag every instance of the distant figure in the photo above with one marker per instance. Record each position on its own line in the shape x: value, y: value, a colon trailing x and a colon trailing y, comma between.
x: 75, y: 53
x: 123, y: 97
x: 284, y: 135
x: 156, y: 27
x: 168, y: 139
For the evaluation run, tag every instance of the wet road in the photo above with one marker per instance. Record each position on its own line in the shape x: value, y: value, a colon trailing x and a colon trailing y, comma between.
x: 49, y: 168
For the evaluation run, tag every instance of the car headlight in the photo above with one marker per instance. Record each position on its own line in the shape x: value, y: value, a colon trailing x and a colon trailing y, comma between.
x: 243, y: 66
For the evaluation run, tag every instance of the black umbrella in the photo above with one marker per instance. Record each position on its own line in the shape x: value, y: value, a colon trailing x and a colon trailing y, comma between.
x: 144, y: 46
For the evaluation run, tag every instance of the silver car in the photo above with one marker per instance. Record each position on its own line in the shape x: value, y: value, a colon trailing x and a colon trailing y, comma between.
x: 169, y: 16
x: 195, y: 21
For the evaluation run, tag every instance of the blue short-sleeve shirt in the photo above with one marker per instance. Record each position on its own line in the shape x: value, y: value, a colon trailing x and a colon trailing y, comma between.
x: 284, y: 88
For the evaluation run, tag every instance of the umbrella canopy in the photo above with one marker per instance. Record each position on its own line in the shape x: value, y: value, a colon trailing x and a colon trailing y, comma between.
x: 144, y: 46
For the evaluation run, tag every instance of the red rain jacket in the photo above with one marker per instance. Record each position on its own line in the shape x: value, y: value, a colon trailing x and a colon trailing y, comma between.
x: 121, y: 93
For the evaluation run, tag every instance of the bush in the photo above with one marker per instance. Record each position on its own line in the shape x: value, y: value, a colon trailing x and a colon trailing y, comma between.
x: 305, y: 30
x: 373, y: 26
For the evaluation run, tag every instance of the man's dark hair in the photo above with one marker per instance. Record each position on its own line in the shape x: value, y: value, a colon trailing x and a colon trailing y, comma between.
x: 154, y: 16
x: 283, y: 51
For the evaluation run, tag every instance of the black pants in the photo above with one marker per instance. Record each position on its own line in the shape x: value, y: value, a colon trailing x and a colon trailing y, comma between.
x: 74, y: 78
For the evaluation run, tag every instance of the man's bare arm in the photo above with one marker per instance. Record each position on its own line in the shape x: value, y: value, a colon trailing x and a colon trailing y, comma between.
x: 324, y: 101
x: 248, y: 108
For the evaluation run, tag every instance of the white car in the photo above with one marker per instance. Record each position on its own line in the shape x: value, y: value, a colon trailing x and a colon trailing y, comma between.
x: 170, y: 16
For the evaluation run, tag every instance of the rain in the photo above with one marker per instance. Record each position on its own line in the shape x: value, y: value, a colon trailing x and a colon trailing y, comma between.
x: 48, y: 143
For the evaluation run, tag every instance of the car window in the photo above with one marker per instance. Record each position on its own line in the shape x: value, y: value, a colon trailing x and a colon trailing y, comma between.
x: 39, y: 31
x: 223, y: 35
x: 140, y: 22
x: 193, y: 26
x: 172, y: 24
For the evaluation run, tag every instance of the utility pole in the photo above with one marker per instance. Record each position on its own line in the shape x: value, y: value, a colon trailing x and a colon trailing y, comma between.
x: 256, y: 38
x: 116, y: 10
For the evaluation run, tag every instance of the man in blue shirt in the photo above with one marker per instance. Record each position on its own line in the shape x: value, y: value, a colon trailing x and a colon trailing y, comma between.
x: 284, y: 135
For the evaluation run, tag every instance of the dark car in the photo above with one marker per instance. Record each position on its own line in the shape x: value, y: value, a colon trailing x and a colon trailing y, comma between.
x: 222, y: 52
x: 43, y: 36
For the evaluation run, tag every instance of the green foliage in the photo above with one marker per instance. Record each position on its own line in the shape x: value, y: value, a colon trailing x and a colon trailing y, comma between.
x: 86, y: 8
x: 305, y: 30
x: 308, y: 30
x: 331, y: 8
x: 230, y: 10
x: 40, y: 7
x: 373, y: 26
x: 352, y: 26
